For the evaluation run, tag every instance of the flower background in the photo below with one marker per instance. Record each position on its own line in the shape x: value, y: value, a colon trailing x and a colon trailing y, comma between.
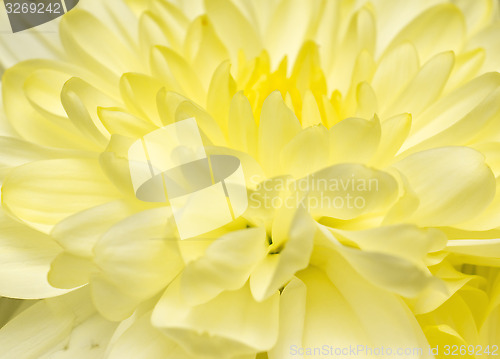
x: 406, y: 93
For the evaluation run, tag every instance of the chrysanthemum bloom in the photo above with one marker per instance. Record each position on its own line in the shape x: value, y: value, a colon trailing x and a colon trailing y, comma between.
x: 368, y: 133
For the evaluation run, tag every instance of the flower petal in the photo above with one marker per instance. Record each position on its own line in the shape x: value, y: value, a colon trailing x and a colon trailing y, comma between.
x: 276, y: 118
x: 293, y: 230
x: 204, y: 47
x: 425, y: 87
x: 307, y: 152
x: 143, y: 341
x: 333, y: 191
x: 486, y: 248
x: 451, y: 108
x: 79, y: 233
x: 394, y: 132
x: 487, y: 39
x: 287, y: 29
x: 171, y: 67
x: 390, y: 272
x: 292, y: 316
x: 46, y: 326
x: 395, y: 70
x: 119, y: 121
x: 488, y: 219
x: 452, y: 183
x: 25, y: 258
x: 403, y: 240
x: 17, y: 152
x: 335, y: 309
x: 34, y: 332
x: 46, y: 192
x: 221, y: 91
x: 90, y: 43
x: 242, y: 129
x: 139, y: 93
x: 26, y: 119
x: 443, y: 19
x: 80, y: 101
x: 233, y: 28
x: 137, y: 257
x: 358, y: 133
x: 231, y: 324
x: 226, y: 265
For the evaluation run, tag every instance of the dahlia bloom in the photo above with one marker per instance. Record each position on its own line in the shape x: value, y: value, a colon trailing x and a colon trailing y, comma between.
x: 368, y: 133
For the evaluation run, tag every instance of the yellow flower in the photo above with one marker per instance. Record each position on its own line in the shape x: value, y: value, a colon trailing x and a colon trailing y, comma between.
x: 368, y: 134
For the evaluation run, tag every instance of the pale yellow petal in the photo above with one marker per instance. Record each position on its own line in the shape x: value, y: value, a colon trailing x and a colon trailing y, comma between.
x: 335, y: 309
x: 391, y: 272
x: 68, y: 271
x: 359, y: 35
x: 276, y: 118
x: 358, y: 133
x: 139, y: 93
x: 210, y: 131
x: 287, y: 29
x: 307, y: 152
x: 119, y: 121
x: 467, y: 66
x: 292, y: 316
x: 46, y: 326
x: 235, y: 31
x: 443, y: 19
x: 346, y: 191
x: 204, y: 48
x: 311, y: 115
x: 137, y: 257
x: 487, y: 39
x: 24, y: 272
x: 394, y: 132
x: 226, y: 265
x: 242, y: 129
x: 90, y: 43
x: 79, y: 233
x: 111, y: 301
x: 425, y: 87
x: 367, y: 102
x: 174, y: 21
x: 16, y: 152
x: 34, y: 332
x: 452, y: 183
x: 292, y: 235
x: 231, y: 324
x: 396, y: 69
x: 46, y: 192
x: 80, y: 101
x: 143, y: 341
x: 176, y: 72
x: 477, y: 14
x: 27, y: 120
x: 434, y: 296
x: 480, y: 251
x: 220, y: 93
x: 488, y: 219
x: 451, y: 108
